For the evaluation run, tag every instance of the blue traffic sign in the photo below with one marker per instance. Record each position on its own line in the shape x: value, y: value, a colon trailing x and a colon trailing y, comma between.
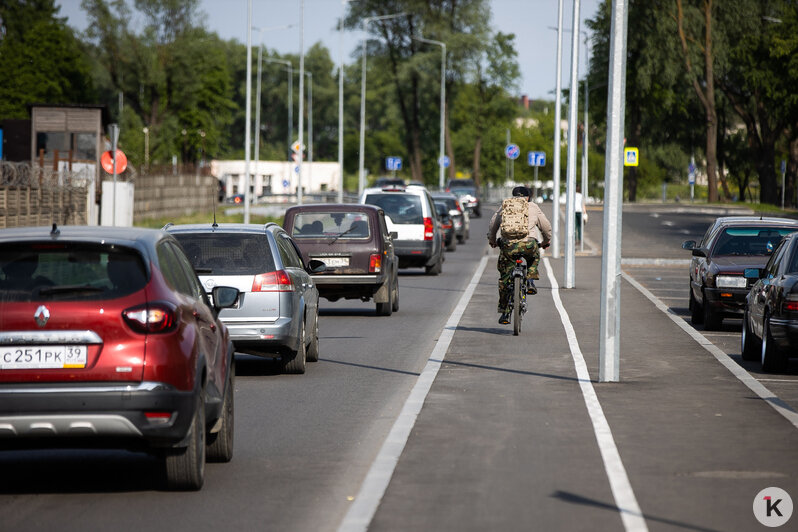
x: 445, y: 161
x: 285, y: 183
x: 512, y: 151
x: 783, y: 166
x: 393, y: 163
x: 536, y: 158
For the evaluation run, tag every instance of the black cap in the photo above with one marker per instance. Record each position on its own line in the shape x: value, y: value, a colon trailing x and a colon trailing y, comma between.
x: 522, y: 191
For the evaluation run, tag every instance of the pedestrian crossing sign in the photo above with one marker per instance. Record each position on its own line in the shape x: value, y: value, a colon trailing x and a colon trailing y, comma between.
x: 630, y: 156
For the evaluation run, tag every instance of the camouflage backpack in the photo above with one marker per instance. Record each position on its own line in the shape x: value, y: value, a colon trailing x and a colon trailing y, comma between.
x: 515, y: 218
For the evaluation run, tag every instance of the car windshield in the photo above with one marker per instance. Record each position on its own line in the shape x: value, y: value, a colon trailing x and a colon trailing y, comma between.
x: 227, y: 253
x: 68, y: 271
x: 749, y: 240
x: 343, y: 225
x: 402, y: 208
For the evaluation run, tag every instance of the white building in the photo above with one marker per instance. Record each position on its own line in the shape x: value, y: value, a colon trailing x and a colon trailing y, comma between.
x: 277, y: 177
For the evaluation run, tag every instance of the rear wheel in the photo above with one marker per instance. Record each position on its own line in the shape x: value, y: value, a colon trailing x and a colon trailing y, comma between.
x: 313, y: 348
x: 220, y: 444
x: 516, y: 305
x: 452, y: 245
x: 386, y: 309
x: 436, y: 268
x: 748, y: 347
x: 396, y: 294
x: 772, y: 359
x: 295, y: 361
x: 696, y: 312
x: 185, y: 466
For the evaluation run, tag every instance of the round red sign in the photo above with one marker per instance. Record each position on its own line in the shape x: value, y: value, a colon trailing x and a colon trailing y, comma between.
x: 107, y: 161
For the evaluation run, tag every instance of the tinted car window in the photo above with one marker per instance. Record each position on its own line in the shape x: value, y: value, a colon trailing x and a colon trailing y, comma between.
x: 748, y: 240
x: 229, y: 253
x: 172, y: 272
x: 288, y: 253
x: 195, y: 288
x: 792, y: 267
x: 67, y: 271
x: 343, y: 225
x: 402, y: 208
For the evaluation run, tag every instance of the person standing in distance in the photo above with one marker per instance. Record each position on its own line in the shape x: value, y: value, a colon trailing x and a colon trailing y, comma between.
x: 518, y: 241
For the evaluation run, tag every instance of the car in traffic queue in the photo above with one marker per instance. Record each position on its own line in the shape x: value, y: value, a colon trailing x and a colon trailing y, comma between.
x: 732, y: 244
x: 278, y: 310
x: 450, y: 240
x: 770, y: 319
x: 459, y: 215
x: 107, y: 339
x: 354, y: 243
x: 411, y: 214
x: 467, y: 192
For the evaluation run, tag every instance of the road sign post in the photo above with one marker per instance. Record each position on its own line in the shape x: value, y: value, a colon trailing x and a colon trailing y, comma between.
x: 783, y: 175
x: 392, y: 164
x: 536, y: 159
x: 691, y: 178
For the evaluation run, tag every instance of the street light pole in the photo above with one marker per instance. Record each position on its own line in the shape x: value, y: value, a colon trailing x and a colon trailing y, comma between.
x: 443, y: 105
x: 584, y: 148
x: 570, y: 188
x: 248, y: 113
x: 362, y: 161
x: 146, y: 132
x: 555, y: 222
x: 290, y: 70
x: 301, y: 98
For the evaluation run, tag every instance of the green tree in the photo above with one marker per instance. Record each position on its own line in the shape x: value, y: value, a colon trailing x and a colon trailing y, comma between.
x: 41, y: 61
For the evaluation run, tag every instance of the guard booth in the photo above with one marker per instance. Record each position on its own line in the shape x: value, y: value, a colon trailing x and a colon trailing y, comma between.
x: 67, y: 138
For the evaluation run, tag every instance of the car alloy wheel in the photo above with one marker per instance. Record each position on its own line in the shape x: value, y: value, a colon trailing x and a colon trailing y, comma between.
x: 220, y: 444
x: 295, y: 361
x: 772, y: 359
x: 748, y: 347
x: 185, y: 466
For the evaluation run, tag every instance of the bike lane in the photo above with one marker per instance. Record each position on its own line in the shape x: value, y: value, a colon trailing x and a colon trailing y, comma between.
x: 504, y: 440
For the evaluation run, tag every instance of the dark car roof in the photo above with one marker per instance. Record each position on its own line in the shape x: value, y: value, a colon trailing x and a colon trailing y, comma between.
x: 222, y: 228
x: 334, y: 207
x: 754, y: 220
x: 136, y: 237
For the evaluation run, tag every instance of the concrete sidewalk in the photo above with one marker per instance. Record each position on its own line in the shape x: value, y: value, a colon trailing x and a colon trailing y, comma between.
x: 504, y: 440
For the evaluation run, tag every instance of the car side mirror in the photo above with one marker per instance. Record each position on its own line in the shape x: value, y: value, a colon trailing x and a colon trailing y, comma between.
x: 688, y: 244
x: 316, y: 266
x: 698, y: 252
x: 394, y: 235
x: 224, y: 297
x: 753, y: 273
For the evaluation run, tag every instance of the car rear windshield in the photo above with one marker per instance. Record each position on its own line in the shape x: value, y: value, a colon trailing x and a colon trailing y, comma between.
x: 227, y: 253
x: 337, y: 225
x: 64, y: 271
x: 750, y: 240
x: 402, y: 208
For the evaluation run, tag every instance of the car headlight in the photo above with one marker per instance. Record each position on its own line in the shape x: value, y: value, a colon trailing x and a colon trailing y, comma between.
x: 730, y: 281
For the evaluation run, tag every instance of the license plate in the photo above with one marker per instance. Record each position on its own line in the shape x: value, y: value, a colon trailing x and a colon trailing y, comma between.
x: 335, y: 262
x: 43, y: 357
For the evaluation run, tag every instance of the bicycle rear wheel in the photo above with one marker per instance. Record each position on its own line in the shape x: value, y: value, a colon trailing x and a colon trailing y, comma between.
x: 516, y: 305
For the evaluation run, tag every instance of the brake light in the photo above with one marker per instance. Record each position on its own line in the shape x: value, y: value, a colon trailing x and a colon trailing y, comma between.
x: 278, y: 281
x: 152, y: 318
x: 375, y: 263
x: 428, y: 229
x: 447, y: 225
x: 791, y: 306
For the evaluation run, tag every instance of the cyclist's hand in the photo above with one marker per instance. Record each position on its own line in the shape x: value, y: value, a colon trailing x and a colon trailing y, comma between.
x: 544, y: 246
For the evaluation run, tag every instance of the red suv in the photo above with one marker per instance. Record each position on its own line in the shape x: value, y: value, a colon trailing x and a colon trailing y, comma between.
x: 107, y: 339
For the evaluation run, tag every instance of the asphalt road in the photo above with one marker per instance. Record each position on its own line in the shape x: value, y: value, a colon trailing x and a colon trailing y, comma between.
x: 503, y: 441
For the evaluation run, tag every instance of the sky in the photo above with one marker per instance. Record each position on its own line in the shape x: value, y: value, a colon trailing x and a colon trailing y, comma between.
x: 529, y: 20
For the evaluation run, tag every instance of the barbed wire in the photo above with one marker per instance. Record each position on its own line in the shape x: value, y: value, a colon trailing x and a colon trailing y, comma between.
x: 21, y: 174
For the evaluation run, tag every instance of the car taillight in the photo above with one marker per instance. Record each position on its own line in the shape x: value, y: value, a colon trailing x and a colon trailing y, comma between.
x: 790, y: 306
x: 428, y: 229
x: 375, y: 263
x: 152, y: 318
x: 447, y: 225
x: 278, y: 281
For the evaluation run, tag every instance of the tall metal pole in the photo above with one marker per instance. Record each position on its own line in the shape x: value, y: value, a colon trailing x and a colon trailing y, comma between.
x: 361, y: 172
x: 301, y: 98
x: 584, y: 150
x: 257, y: 106
x: 290, y: 71
x: 555, y: 222
x: 443, y: 106
x: 310, y: 128
x: 610, y: 317
x: 573, y: 135
x: 114, y: 142
x: 341, y: 107
x: 248, y: 113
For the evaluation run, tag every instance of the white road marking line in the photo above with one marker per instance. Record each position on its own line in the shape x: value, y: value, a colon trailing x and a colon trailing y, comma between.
x: 746, y: 378
x: 625, y: 499
x: 365, y: 505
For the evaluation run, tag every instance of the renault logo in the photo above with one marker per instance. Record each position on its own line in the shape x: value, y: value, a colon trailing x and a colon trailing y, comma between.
x: 42, y: 315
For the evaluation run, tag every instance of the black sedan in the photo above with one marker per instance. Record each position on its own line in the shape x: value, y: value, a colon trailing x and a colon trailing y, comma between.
x: 733, y: 244
x: 770, y: 322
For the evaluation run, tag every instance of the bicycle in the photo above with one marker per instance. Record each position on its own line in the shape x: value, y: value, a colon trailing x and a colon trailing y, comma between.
x: 518, y: 294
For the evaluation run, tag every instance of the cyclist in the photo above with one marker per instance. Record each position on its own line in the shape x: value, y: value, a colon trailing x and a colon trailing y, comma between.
x: 527, y: 247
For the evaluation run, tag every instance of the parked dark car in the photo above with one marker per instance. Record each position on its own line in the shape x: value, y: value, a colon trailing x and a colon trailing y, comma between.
x: 460, y: 216
x: 278, y: 309
x: 389, y: 181
x: 770, y: 321
x: 447, y: 224
x: 353, y: 241
x: 468, y: 193
x: 732, y: 244
x: 107, y: 339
